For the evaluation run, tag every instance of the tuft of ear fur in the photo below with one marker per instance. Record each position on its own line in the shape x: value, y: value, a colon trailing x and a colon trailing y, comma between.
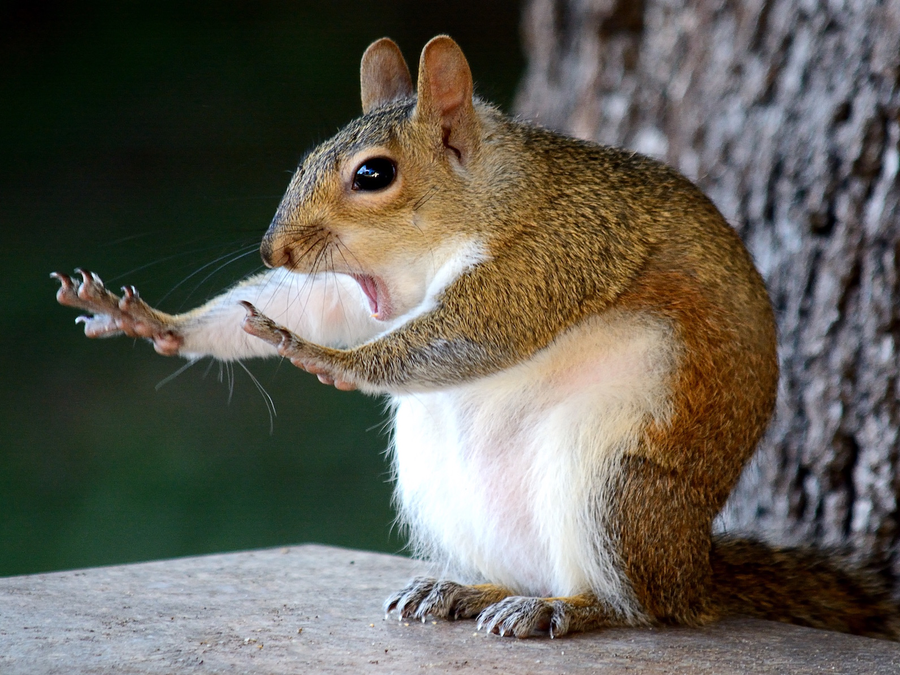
x: 383, y: 75
x: 445, y: 94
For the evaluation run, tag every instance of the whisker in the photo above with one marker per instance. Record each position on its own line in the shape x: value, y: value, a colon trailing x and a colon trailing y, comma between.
x: 316, y: 242
x: 340, y: 250
x: 234, y: 258
x: 425, y: 199
x: 247, y: 251
x: 270, y: 404
x: 127, y: 238
x: 178, y: 372
x: 357, y: 265
x: 174, y: 256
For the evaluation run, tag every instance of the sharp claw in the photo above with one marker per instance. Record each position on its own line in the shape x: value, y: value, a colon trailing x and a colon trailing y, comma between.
x: 88, y: 283
x: 251, y: 310
x: 286, y: 336
x: 66, y: 284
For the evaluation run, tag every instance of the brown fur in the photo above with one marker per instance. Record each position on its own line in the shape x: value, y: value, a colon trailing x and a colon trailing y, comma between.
x: 804, y: 586
x: 724, y: 393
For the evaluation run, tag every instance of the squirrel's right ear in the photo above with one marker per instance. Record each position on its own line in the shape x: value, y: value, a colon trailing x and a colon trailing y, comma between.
x: 383, y: 75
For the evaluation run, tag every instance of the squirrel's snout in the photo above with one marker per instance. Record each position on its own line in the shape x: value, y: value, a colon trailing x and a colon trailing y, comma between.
x: 272, y: 254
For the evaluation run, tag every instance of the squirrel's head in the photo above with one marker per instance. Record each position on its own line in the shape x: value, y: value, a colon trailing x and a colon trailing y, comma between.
x: 387, y: 199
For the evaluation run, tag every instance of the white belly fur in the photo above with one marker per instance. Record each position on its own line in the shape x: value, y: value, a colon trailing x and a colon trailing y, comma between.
x: 506, y: 479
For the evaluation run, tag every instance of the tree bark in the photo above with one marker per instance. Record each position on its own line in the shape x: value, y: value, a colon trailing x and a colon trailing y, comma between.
x: 787, y: 114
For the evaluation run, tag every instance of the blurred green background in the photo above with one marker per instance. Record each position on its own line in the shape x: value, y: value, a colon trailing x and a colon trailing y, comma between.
x: 145, y: 141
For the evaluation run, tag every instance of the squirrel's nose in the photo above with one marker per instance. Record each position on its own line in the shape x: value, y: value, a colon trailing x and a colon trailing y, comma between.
x: 273, y: 254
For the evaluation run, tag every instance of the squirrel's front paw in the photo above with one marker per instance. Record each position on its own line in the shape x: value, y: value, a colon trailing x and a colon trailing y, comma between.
x: 112, y: 315
x: 424, y: 596
x: 300, y: 352
x: 522, y: 616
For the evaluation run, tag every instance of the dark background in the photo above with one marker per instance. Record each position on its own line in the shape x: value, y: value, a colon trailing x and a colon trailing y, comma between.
x: 150, y: 142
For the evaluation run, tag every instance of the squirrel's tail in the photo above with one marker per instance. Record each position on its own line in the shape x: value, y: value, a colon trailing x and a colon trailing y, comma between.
x: 802, y: 586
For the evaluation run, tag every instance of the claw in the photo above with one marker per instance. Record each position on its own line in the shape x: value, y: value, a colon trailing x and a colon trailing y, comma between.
x: 87, y: 278
x: 522, y: 616
x: 251, y: 310
x: 261, y: 326
x: 286, y: 338
x: 64, y: 279
x: 67, y: 292
x: 408, y: 601
x: 390, y: 604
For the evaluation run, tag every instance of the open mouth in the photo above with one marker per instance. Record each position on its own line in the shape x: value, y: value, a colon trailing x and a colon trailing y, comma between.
x: 374, y: 291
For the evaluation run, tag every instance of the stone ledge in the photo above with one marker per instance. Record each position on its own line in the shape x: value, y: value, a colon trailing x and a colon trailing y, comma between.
x: 315, y: 609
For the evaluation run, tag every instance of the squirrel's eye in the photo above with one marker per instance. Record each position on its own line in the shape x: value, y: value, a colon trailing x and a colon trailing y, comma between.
x: 374, y: 174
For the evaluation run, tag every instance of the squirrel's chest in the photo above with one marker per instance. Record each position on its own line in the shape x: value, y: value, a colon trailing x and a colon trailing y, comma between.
x: 501, y: 479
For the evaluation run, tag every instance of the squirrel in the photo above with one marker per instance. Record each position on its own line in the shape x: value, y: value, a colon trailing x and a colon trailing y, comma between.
x: 579, y: 351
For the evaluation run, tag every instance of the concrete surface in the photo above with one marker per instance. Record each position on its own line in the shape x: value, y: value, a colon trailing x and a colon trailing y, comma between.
x: 314, y: 609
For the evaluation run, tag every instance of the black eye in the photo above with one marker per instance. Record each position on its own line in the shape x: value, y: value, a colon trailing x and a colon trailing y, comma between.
x: 374, y: 174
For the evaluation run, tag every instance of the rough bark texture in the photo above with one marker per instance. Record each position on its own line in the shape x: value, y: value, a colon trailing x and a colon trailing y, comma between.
x: 786, y: 113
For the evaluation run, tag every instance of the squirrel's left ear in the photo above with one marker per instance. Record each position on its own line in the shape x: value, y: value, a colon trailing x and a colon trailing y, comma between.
x: 383, y: 75
x: 445, y: 94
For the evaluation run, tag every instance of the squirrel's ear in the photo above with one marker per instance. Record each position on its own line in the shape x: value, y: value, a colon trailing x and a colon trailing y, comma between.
x: 383, y: 75
x: 445, y: 94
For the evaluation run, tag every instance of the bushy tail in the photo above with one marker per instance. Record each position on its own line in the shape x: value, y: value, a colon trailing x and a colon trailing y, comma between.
x: 802, y: 586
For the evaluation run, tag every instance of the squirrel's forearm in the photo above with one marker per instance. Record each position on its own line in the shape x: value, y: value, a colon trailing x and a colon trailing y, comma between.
x: 442, y: 347
x: 326, y: 309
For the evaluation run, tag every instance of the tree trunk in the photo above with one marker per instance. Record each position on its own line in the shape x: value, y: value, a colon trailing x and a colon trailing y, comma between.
x: 786, y: 114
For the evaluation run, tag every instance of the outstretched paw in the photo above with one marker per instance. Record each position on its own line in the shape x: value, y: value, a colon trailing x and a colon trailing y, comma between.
x: 112, y: 315
x: 300, y: 352
x: 424, y: 596
x: 522, y: 617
